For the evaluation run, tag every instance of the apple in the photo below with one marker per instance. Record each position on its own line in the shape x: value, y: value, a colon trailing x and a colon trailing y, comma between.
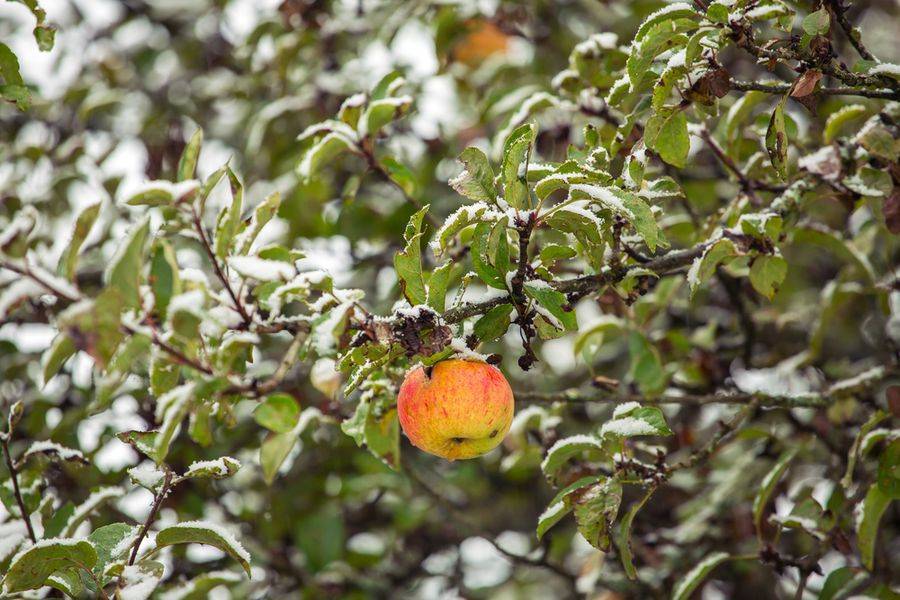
x: 460, y: 409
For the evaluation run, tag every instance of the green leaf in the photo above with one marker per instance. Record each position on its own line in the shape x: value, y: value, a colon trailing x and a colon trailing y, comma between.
x: 867, y: 525
x: 375, y: 426
x: 219, y: 468
x: 516, y: 150
x: 380, y: 112
x: 18, y: 94
x: 105, y: 539
x: 171, y: 409
x: 437, y: 287
x: 839, y: 118
x: 493, y: 323
x: 460, y: 219
x: 477, y: 178
x: 277, y: 446
x: 165, y: 281
x: 704, y: 267
x: 228, y: 222
x: 553, y: 305
x: 628, y: 205
x: 68, y: 261
x: 187, y: 164
x: 262, y: 214
x: 322, y: 152
x: 777, y: 140
x: 142, y: 441
x: 623, y: 536
x: 666, y: 133
x: 686, y: 585
x: 646, y: 366
x: 94, y: 325
x: 832, y: 241
x: 666, y: 14
x: 889, y: 470
x: 596, y: 510
x: 273, y: 452
x: 565, y: 449
x: 717, y: 13
x: 490, y: 274
x: 551, y: 253
x: 768, y: 485
x: 9, y: 66
x: 561, y: 505
x: 31, y: 568
x: 767, y: 273
x: 126, y: 266
x: 164, y: 372
x: 401, y: 175
x: 841, y: 582
x: 631, y: 419
x: 278, y: 413
x: 817, y: 23
x: 202, y: 532
x: 408, y: 262
x: 56, y: 355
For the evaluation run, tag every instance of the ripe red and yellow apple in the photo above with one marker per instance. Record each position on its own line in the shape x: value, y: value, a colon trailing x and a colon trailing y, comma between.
x: 461, y: 409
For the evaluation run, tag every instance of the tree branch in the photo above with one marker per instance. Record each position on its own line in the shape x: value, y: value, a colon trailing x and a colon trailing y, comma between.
x: 580, y: 286
x: 862, y: 383
x: 840, y: 15
x: 157, y: 502
x: 238, y: 305
x: 14, y: 476
x: 784, y: 88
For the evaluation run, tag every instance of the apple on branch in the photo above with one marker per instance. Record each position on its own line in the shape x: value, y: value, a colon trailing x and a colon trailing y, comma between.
x: 461, y: 409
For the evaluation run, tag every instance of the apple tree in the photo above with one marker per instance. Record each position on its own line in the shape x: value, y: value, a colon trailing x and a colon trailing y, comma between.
x: 230, y: 229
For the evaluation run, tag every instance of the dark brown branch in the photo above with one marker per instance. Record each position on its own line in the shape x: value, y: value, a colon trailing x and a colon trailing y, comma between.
x: 14, y: 476
x: 840, y: 15
x: 27, y: 272
x: 157, y: 502
x: 238, y: 305
x: 580, y: 286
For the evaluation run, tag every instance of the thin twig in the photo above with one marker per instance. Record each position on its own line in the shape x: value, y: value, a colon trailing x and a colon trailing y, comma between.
x: 865, y: 381
x: 840, y: 15
x: 238, y: 305
x: 726, y: 430
x: 157, y: 502
x: 374, y: 165
x: 14, y: 476
x: 783, y: 88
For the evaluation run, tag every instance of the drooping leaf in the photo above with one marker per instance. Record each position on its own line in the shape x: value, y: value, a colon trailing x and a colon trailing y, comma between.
x: 596, y: 510
x: 278, y: 413
x: 68, y: 261
x: 777, y: 140
x: 768, y: 486
x: 125, y: 268
x: 767, y: 273
x: 204, y: 532
x: 867, y: 525
x: 692, y: 580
